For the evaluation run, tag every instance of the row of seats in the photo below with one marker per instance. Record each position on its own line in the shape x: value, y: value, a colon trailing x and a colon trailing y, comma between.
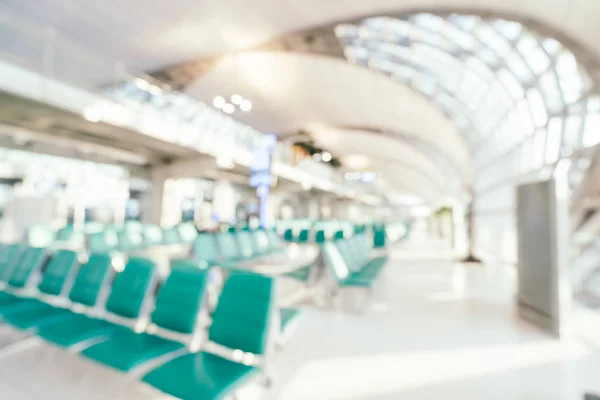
x: 350, y: 261
x: 240, y: 321
x: 229, y: 249
x: 137, y: 237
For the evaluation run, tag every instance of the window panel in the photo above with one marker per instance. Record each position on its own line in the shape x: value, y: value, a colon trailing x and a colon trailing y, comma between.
x: 525, y: 118
x: 571, y: 133
x: 508, y: 29
x: 539, y: 150
x: 537, y: 107
x: 551, y: 92
x: 591, y: 131
x: 554, y: 140
x: 492, y: 39
x: 530, y: 49
x: 512, y: 85
x: 518, y: 67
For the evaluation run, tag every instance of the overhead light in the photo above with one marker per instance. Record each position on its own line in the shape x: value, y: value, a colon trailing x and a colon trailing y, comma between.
x: 141, y: 83
x: 219, y: 102
x: 326, y: 156
x: 93, y: 114
x: 316, y: 157
x: 228, y: 108
x: 246, y: 105
x: 356, y: 162
x: 307, y: 185
x: 155, y: 90
x: 237, y: 99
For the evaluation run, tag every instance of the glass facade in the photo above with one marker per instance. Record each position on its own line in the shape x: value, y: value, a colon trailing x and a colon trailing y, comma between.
x: 521, y: 98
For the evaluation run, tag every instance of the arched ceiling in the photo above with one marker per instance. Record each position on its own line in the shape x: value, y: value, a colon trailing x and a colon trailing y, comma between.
x: 295, y: 91
x: 150, y: 35
x: 291, y: 92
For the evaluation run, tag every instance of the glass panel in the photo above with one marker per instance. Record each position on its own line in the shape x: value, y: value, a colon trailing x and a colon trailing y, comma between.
x: 593, y: 103
x: 539, y: 149
x: 571, y: 134
x: 526, y: 158
x: 591, y: 131
x: 552, y: 46
x: 465, y: 22
x: 429, y: 21
x: 551, y: 92
x: 490, y: 38
x: 508, y: 29
x: 460, y: 37
x: 518, y: 67
x: 426, y: 84
x: 525, y: 118
x: 512, y: 85
x: 537, y: 107
x: 554, y: 140
x: 537, y: 58
x: 572, y: 86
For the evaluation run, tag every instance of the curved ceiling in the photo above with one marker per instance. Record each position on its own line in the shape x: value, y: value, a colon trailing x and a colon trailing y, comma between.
x: 398, y: 163
x: 291, y: 92
x: 149, y: 35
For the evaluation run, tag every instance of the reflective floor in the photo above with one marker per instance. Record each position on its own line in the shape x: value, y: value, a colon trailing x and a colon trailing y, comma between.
x: 436, y: 330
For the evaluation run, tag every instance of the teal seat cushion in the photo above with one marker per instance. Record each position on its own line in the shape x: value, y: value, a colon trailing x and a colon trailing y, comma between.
x: 376, y: 264
x: 359, y: 282
x: 18, y: 305
x: 78, y: 328
x: 57, y: 271
x: 36, y: 315
x: 199, y: 376
x: 129, y: 350
x: 33, y: 259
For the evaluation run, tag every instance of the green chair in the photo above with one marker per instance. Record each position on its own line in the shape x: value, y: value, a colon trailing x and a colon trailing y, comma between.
x: 34, y: 312
x: 260, y: 242
x: 288, y: 235
x: 152, y: 235
x: 320, y: 236
x: 339, y: 269
x: 228, y: 249
x: 31, y: 261
x: 241, y: 322
x: 129, y: 291
x: 10, y: 258
x: 275, y: 243
x: 177, y: 306
x: 205, y: 249
x: 245, y: 245
x: 187, y: 232
x: 304, y: 236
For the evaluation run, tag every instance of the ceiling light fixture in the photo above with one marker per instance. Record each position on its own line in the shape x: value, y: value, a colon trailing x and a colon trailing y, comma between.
x: 236, y: 99
x: 326, y: 156
x: 219, y: 102
x: 228, y: 108
x: 246, y: 105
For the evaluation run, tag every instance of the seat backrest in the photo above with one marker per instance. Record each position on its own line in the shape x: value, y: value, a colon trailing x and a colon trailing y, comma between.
x: 102, y: 242
x: 288, y: 235
x: 152, y: 235
x: 205, y: 248
x: 11, y: 258
x: 339, y: 234
x: 335, y: 261
x: 187, y: 232
x: 320, y: 236
x: 345, y: 249
x: 227, y: 247
x: 260, y: 241
x: 303, y: 236
x: 243, y: 313
x: 244, y: 239
x: 180, y: 298
x: 32, y: 261
x: 130, y: 287
x: 171, y: 236
x: 274, y: 241
x: 57, y: 272
x: 90, y: 279
x: 130, y: 239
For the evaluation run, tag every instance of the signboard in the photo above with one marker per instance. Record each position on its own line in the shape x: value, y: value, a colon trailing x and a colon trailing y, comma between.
x: 260, y: 173
x: 543, y: 239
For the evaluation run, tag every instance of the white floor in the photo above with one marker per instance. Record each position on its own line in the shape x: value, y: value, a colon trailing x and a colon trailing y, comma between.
x: 436, y: 330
